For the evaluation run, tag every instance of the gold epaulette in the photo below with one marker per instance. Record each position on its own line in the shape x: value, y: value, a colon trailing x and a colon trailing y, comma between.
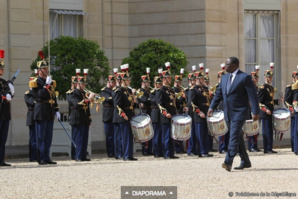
x: 261, y: 86
x: 33, y: 83
x: 27, y: 92
x: 69, y: 91
x: 103, y: 88
x: 82, y: 103
x: 295, y: 86
x: 152, y: 91
x: 115, y: 89
x: 191, y: 87
x: 289, y: 85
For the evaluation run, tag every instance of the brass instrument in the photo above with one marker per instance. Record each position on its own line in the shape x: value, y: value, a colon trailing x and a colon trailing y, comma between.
x: 97, y: 98
x: 183, y: 87
x: 140, y: 94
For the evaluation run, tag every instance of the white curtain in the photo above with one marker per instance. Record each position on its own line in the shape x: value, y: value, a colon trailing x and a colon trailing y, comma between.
x: 69, y: 25
x: 261, y: 52
x: 54, y: 25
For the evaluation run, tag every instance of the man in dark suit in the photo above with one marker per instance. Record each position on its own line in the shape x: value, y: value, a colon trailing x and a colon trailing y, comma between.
x: 236, y: 90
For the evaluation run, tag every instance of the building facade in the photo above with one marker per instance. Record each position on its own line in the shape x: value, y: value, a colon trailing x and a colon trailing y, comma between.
x: 208, y: 31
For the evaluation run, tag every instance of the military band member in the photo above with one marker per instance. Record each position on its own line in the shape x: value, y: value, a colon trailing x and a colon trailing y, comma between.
x: 30, y: 97
x: 80, y: 117
x: 192, y: 141
x: 6, y: 92
x: 107, y: 114
x: 267, y: 102
x: 199, y: 99
x: 45, y: 109
x: 295, y: 106
x: 155, y: 117
x: 224, y: 139
x: 145, y: 107
x: 117, y: 133
x: 252, y: 141
x: 73, y: 133
x: 166, y: 102
x: 288, y: 100
x: 181, y: 104
x: 124, y: 102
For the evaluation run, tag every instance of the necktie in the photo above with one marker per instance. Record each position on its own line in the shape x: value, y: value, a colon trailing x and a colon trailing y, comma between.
x: 229, y: 83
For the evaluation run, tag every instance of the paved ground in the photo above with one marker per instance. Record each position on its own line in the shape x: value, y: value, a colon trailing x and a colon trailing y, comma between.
x: 194, y: 177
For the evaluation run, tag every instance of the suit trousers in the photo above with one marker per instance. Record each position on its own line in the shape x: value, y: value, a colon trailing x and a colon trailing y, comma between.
x: 32, y: 143
x: 127, y: 140
x: 82, y: 135
x: 167, y: 140
x: 267, y: 134
x: 44, y: 130
x: 4, y: 125
x: 223, y: 142
x: 296, y: 133
x: 236, y: 143
x: 117, y: 141
x: 157, y: 139
x: 109, y: 131
x: 192, y: 141
x: 292, y: 132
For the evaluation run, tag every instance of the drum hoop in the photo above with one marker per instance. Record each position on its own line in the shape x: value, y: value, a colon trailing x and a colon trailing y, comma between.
x: 215, y: 121
x: 140, y: 126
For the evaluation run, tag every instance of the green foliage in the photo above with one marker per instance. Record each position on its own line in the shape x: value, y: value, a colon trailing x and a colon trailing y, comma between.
x: 154, y: 54
x: 67, y: 54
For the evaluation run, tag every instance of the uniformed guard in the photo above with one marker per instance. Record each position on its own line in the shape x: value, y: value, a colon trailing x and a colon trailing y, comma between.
x: 80, y: 118
x: 224, y: 139
x: 295, y: 106
x: 200, y: 101
x: 124, y: 102
x: 192, y: 141
x: 166, y: 102
x: 107, y: 114
x: 155, y: 118
x: 30, y: 97
x: 267, y: 102
x: 45, y: 109
x: 117, y: 133
x: 252, y: 141
x: 288, y: 100
x: 181, y: 105
x: 145, y: 107
x: 6, y: 92
x: 73, y: 132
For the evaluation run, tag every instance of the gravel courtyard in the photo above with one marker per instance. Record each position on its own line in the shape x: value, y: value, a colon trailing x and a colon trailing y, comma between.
x: 194, y: 177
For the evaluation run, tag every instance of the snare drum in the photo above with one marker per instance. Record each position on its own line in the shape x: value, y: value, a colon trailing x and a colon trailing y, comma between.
x: 251, y: 127
x: 181, y: 127
x: 216, y: 124
x: 281, y: 119
x: 142, y: 129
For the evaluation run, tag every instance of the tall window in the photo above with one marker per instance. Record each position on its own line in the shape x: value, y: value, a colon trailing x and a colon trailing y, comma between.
x: 67, y: 23
x: 261, y: 37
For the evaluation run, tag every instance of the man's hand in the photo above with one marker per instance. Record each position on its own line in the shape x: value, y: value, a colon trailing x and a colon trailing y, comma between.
x: 8, y: 97
x: 49, y: 80
x: 58, y: 115
x: 185, y: 109
x: 268, y: 112
x: 125, y: 117
x: 209, y: 113
x: 141, y: 105
x: 11, y: 87
x: 202, y: 115
x: 255, y: 117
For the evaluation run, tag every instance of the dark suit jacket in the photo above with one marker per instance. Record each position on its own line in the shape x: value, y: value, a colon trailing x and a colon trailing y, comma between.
x: 236, y: 102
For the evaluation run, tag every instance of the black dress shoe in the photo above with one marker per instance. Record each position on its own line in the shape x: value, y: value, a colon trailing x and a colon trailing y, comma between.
x: 78, y: 160
x: 271, y: 152
x: 207, y: 155
x: 145, y: 154
x: 166, y: 158
x: 111, y: 156
x: 226, y: 166
x: 130, y: 159
x: 4, y: 164
x: 119, y: 158
x: 296, y: 153
x: 51, y: 162
x: 174, y: 157
x: 32, y: 160
x: 254, y: 150
x: 86, y: 159
x: 42, y: 163
x: 157, y: 156
x: 242, y: 166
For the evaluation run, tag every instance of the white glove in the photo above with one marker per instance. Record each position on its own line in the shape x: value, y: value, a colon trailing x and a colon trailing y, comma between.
x: 11, y: 87
x: 58, y: 115
x: 296, y: 108
x: 49, y: 80
x: 8, y: 97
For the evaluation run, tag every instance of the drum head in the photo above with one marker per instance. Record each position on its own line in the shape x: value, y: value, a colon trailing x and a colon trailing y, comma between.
x: 140, y: 120
x: 281, y: 113
x: 216, y: 116
x: 181, y: 119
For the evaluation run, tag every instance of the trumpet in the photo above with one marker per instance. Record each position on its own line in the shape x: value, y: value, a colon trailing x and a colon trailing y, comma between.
x: 183, y: 87
x: 97, y: 98
x: 139, y: 94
